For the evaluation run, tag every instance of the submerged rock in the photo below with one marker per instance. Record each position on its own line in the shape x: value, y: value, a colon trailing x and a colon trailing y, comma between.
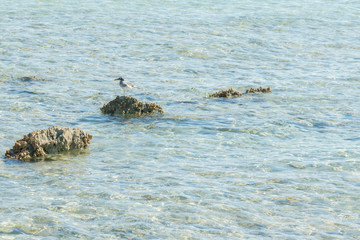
x: 31, y: 78
x: 52, y: 140
x: 130, y: 107
x: 226, y: 93
x: 258, y: 90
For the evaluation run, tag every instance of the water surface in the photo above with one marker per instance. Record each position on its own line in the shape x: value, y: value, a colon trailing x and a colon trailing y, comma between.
x: 283, y: 165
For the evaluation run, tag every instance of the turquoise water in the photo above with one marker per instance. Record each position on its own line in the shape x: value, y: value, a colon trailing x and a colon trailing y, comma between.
x: 283, y: 165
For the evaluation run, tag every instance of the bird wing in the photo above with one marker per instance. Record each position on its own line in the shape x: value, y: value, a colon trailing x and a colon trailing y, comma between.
x: 130, y: 84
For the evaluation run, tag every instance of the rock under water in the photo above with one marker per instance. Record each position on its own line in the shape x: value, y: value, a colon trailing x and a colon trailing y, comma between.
x: 47, y: 141
x: 126, y: 106
x: 31, y: 78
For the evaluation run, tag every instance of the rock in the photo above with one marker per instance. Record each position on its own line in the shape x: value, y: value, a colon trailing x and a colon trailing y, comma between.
x: 258, y: 90
x: 52, y: 140
x: 226, y: 93
x: 126, y: 106
x: 31, y: 78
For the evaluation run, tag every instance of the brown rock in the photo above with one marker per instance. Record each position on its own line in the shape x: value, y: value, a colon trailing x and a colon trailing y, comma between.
x: 52, y: 140
x: 126, y: 106
x: 226, y: 93
x: 258, y: 90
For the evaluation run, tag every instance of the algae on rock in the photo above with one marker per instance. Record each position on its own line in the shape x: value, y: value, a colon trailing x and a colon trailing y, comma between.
x: 47, y: 141
x: 126, y: 106
x: 226, y: 93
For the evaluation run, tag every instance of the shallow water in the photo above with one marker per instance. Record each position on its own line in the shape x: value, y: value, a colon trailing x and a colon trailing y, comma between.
x: 281, y: 165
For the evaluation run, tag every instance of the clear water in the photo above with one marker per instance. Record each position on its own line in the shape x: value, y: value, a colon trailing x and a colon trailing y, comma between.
x: 283, y: 165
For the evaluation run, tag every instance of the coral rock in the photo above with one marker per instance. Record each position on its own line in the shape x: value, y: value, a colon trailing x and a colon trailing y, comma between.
x: 226, y: 93
x: 130, y: 107
x: 52, y: 140
x: 258, y: 90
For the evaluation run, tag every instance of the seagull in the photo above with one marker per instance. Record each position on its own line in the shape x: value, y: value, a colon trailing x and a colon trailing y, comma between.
x: 124, y: 85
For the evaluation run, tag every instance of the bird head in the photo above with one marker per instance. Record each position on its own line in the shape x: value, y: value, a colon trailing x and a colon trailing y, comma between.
x: 119, y: 79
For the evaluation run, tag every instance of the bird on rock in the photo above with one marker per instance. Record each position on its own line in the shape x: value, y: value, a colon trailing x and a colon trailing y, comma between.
x: 125, y: 85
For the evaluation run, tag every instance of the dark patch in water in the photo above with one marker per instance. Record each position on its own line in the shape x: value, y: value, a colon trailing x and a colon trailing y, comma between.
x: 31, y: 78
x: 353, y: 139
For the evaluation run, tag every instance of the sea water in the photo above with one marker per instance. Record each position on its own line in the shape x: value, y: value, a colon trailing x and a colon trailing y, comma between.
x: 280, y: 165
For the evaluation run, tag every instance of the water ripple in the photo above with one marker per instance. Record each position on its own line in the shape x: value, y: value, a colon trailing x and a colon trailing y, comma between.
x: 279, y: 165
